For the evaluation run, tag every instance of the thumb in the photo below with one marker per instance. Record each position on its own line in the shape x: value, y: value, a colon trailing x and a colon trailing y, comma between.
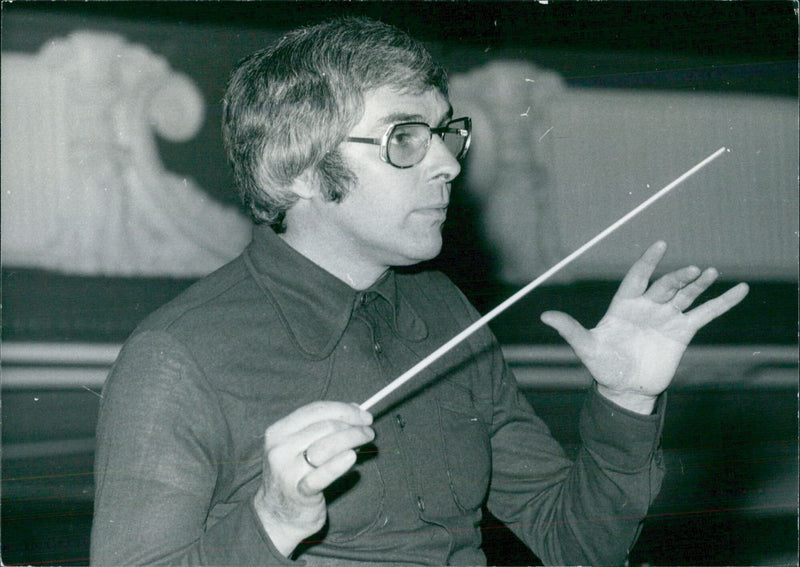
x: 570, y: 330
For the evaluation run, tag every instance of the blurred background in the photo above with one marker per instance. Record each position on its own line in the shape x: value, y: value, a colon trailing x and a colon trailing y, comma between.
x: 116, y: 195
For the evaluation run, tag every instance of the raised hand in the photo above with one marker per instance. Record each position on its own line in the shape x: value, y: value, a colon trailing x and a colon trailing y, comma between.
x: 303, y: 454
x: 634, y: 351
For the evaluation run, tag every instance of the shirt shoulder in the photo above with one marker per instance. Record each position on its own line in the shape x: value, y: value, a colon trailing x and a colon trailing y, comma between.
x: 226, y: 284
x: 216, y: 321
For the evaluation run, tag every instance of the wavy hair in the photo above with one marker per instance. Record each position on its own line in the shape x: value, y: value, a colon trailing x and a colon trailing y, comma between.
x: 288, y: 107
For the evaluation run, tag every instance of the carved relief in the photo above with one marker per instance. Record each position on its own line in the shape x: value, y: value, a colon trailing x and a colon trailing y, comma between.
x: 84, y: 189
x: 506, y: 169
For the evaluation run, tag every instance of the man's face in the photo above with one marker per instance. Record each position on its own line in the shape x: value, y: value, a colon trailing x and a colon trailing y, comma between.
x: 392, y: 217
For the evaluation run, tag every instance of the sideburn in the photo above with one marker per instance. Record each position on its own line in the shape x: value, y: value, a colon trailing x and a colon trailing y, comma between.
x: 335, y: 177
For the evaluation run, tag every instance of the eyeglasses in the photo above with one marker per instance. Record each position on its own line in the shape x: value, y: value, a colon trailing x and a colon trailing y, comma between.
x: 406, y: 144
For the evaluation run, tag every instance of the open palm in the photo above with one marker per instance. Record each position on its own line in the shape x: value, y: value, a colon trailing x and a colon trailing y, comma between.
x: 635, y: 349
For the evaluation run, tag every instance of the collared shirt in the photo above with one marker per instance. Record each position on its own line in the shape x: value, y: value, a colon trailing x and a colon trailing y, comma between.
x: 181, y: 431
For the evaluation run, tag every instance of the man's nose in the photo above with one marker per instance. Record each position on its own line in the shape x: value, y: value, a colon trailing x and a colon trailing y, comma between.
x: 445, y: 163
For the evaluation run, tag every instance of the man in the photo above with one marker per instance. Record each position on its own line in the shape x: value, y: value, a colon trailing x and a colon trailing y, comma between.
x: 229, y: 431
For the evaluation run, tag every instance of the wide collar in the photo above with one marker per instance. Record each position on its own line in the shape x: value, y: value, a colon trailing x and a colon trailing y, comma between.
x: 314, y: 305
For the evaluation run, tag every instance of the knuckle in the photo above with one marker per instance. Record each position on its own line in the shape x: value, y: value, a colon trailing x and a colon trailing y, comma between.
x: 331, y: 426
x: 275, y: 457
x: 269, y: 438
x: 318, y: 406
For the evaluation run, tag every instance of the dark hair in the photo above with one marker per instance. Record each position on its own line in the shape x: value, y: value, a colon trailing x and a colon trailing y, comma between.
x: 288, y: 107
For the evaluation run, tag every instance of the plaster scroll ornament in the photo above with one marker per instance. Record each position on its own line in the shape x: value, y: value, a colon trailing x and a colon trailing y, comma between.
x: 84, y: 189
x: 507, y: 169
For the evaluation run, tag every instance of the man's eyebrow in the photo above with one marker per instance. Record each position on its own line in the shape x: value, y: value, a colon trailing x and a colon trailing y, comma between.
x: 396, y: 117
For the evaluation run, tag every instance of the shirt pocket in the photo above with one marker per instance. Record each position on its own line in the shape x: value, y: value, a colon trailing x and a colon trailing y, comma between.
x: 467, y: 449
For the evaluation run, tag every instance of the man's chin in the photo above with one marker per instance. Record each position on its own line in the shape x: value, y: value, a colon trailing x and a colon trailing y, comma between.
x: 421, y: 255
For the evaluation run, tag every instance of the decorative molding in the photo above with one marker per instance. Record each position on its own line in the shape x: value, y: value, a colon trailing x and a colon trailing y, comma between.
x: 84, y: 189
x: 506, y: 169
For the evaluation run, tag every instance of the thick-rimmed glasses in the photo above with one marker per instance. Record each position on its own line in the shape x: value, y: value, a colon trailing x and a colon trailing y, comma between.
x: 405, y: 144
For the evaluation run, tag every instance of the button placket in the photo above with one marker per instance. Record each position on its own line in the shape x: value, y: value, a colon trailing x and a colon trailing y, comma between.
x: 377, y: 347
x: 371, y: 315
x: 416, y: 489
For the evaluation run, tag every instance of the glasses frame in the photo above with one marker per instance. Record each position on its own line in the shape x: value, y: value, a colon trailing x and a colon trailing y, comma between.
x: 383, y: 141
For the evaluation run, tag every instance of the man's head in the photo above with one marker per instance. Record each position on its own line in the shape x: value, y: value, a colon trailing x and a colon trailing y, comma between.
x: 289, y: 107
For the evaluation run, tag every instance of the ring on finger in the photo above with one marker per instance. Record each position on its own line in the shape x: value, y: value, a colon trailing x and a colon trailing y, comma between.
x: 305, y: 457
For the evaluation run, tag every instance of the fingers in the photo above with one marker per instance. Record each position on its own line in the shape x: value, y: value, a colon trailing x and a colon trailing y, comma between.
x: 637, y: 279
x: 304, y: 453
x: 668, y: 286
x: 691, y: 290
x: 682, y: 287
x: 320, y: 478
x: 316, y: 412
x: 314, y: 445
x: 710, y: 310
x: 569, y: 329
x: 326, y: 441
x: 679, y: 288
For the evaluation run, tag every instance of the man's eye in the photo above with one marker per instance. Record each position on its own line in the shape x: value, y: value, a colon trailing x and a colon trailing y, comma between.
x: 402, y: 138
x: 409, y: 137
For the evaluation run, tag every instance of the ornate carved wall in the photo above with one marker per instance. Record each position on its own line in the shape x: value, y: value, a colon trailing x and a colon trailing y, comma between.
x: 84, y: 188
x: 507, y: 169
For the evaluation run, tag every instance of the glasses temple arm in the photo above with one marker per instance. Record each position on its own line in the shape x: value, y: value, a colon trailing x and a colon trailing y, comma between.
x: 375, y: 141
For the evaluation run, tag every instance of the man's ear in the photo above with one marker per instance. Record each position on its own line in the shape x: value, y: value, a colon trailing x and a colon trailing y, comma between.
x: 305, y: 185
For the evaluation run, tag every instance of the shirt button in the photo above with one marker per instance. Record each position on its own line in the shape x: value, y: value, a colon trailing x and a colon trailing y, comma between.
x: 420, y: 504
x: 377, y: 348
x: 400, y: 421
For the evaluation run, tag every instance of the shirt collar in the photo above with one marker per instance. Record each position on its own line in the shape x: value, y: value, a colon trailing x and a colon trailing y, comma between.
x: 314, y: 305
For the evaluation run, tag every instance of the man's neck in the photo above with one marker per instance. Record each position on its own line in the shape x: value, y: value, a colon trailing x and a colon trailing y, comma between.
x: 331, y: 258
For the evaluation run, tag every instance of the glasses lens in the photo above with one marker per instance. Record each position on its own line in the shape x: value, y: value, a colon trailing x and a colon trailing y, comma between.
x: 454, y: 143
x: 407, y: 144
x: 456, y: 137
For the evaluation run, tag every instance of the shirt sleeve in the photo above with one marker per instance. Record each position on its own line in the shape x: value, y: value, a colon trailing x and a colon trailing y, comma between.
x: 586, y: 510
x: 162, y: 445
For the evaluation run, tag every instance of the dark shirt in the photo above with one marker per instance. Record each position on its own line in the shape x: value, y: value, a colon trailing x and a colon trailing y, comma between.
x: 181, y: 431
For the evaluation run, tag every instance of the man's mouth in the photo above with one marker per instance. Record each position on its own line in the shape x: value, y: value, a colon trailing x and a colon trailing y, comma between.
x: 437, y: 211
